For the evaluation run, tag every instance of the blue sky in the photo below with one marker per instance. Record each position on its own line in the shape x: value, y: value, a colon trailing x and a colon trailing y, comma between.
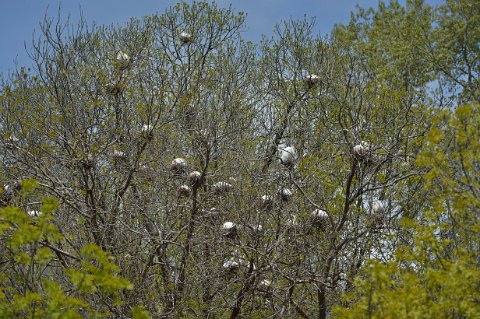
x: 19, y: 18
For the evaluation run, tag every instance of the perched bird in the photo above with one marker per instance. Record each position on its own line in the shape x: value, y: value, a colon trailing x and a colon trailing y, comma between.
x: 178, y: 165
x: 361, y: 150
x: 221, y: 188
x: 184, y: 191
x: 378, y: 208
x: 185, y: 37
x: 319, y: 218
x: 147, y: 131
x: 194, y: 178
x: 312, y: 80
x: 123, y: 59
x: 288, y: 156
x: 229, y: 230
x: 285, y: 194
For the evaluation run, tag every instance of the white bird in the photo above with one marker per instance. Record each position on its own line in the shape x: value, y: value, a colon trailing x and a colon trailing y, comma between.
x: 229, y: 230
x: 312, y: 80
x: 230, y: 264
x: 378, y: 208
x: 34, y: 213
x: 266, y: 198
x: 117, y: 154
x: 228, y: 226
x: 147, y: 128
x: 288, y: 156
x: 265, y: 284
x: 184, y: 191
x: 222, y: 187
x: 319, y: 217
x: 185, y: 37
x: 319, y: 213
x: 285, y: 194
x: 365, y: 144
x: 266, y: 201
x: 178, y: 165
x: 147, y: 131
x: 123, y: 58
x: 361, y: 149
x: 194, y: 177
x: 257, y: 228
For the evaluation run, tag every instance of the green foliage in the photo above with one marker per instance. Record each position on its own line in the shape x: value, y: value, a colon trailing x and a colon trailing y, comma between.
x: 384, y: 171
x: 96, y: 272
x: 436, y: 274
x: 407, y: 290
x: 395, y: 41
x: 456, y: 51
x: 34, y: 272
x: 140, y: 313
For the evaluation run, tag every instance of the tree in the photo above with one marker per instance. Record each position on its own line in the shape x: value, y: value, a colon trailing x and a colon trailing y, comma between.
x: 436, y: 274
x: 347, y: 165
x: 227, y: 179
x: 455, y: 51
x: 37, y: 272
x: 106, y: 113
x: 432, y: 274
